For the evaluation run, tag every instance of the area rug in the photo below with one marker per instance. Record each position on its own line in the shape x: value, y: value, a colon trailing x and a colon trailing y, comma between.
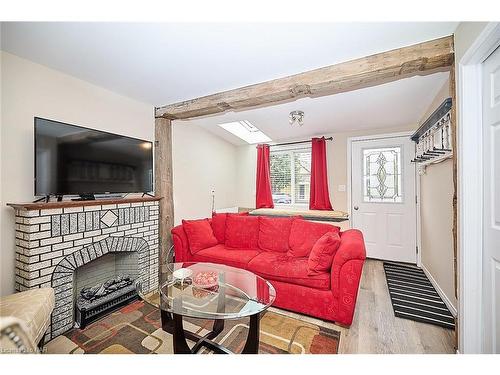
x: 136, y: 328
x: 413, y: 296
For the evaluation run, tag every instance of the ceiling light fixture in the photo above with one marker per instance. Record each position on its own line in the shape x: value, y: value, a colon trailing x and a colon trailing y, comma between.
x: 296, y: 117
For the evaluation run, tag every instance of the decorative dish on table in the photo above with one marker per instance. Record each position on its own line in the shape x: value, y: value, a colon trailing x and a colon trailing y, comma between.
x: 205, y: 282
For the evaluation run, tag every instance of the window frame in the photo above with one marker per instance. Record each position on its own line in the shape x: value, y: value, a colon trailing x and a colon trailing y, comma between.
x: 291, y: 150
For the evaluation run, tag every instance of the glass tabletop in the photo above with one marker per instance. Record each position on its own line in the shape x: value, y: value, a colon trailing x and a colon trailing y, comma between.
x: 208, y: 291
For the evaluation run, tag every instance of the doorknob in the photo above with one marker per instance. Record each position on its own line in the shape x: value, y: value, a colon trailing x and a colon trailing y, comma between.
x: 356, y: 208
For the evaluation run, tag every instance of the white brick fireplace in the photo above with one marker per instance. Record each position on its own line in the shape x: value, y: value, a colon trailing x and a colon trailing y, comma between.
x: 54, y: 239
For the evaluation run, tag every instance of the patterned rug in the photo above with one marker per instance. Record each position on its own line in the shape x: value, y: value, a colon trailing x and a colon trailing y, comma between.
x: 135, y: 328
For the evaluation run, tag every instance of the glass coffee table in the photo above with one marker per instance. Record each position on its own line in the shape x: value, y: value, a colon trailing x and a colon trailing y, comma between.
x: 208, y: 291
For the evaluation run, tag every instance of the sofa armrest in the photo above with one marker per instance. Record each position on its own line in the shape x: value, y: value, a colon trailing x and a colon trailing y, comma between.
x: 346, y: 273
x: 15, y: 337
x: 181, y: 245
x: 352, y: 247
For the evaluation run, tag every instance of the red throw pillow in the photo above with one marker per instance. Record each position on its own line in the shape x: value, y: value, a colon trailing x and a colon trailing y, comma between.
x: 219, y: 224
x: 242, y: 232
x: 322, y: 253
x: 199, y: 234
x: 304, y: 235
x: 274, y: 233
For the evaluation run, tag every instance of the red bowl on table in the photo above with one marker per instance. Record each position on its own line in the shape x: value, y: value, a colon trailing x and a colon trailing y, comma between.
x: 207, y: 281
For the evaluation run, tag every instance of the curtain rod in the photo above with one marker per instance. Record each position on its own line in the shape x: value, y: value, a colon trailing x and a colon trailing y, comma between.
x: 298, y: 142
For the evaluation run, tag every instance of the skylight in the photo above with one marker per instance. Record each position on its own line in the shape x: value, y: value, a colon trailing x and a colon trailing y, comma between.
x: 246, y: 131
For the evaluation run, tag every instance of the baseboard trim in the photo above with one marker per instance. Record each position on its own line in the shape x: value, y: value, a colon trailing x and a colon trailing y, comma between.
x: 445, y: 299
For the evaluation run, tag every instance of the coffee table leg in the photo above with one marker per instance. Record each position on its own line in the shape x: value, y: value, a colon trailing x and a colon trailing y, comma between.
x: 252, y: 344
x: 175, y: 326
x: 179, y: 338
x: 218, y: 326
x: 171, y: 325
x: 166, y: 321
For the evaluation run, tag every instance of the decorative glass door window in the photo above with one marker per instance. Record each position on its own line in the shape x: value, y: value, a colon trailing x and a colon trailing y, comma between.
x: 382, y: 175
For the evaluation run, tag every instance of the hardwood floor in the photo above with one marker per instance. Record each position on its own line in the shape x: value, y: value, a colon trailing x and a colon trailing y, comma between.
x: 375, y: 329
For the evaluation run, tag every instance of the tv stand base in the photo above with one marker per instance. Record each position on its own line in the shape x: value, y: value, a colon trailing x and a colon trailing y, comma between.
x: 45, y: 198
x: 85, y: 197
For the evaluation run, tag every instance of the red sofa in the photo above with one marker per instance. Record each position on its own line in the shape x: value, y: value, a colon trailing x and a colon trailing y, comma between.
x: 277, y: 249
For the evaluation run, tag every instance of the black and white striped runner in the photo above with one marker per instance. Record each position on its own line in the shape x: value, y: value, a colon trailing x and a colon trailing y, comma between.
x: 413, y: 296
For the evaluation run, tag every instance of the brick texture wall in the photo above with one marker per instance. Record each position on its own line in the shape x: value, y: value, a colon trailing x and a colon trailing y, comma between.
x: 51, y: 244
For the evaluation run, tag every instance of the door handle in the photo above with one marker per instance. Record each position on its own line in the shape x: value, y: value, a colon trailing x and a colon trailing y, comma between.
x: 356, y: 208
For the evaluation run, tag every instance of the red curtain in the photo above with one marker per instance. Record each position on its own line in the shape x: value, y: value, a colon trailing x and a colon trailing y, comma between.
x: 264, y: 197
x: 319, y: 198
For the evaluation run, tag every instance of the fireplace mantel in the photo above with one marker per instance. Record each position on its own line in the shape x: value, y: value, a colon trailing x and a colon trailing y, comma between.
x: 70, y: 203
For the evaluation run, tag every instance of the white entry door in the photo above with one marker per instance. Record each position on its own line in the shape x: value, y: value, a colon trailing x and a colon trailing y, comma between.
x: 383, y: 203
x: 491, y: 202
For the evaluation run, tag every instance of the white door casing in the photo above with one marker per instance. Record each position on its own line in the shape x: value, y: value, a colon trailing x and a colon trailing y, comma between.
x: 383, y: 201
x: 470, y: 186
x: 491, y: 203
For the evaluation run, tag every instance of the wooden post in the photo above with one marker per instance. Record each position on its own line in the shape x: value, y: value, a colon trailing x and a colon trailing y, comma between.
x: 164, y: 184
x: 455, y: 152
x: 454, y: 131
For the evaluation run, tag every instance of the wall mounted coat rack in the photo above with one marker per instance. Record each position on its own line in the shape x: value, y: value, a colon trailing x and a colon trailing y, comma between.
x: 434, y: 138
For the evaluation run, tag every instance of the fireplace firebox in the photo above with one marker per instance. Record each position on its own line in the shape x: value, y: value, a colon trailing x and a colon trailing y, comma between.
x: 101, y: 299
x: 104, y: 285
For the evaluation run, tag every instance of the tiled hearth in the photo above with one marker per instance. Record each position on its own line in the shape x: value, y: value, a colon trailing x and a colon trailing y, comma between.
x: 52, y: 243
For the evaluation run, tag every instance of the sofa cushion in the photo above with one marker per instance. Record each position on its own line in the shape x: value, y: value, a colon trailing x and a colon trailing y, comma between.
x: 322, y: 253
x: 304, y: 235
x: 219, y: 224
x: 199, y: 234
x: 281, y: 267
x: 230, y: 257
x: 242, y: 232
x: 274, y: 233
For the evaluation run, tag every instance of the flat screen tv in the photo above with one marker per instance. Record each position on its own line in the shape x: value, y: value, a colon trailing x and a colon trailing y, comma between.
x: 71, y: 160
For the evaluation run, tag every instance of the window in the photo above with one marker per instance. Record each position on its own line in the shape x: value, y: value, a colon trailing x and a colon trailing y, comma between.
x: 245, y: 130
x: 382, y: 175
x: 302, y: 191
x: 291, y: 175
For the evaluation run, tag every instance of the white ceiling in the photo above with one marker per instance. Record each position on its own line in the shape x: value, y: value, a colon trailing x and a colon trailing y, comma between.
x: 391, y: 105
x: 164, y: 63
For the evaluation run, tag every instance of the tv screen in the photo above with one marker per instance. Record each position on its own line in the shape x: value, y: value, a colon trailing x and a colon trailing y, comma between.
x: 72, y: 159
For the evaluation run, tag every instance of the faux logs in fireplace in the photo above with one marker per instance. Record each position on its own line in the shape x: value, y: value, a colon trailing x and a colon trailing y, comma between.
x: 101, y: 299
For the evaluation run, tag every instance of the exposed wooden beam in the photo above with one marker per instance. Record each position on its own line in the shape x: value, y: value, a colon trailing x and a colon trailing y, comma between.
x: 164, y: 184
x: 418, y: 59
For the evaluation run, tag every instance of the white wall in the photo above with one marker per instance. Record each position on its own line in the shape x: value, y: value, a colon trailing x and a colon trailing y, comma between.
x: 201, y: 162
x: 436, y: 214
x: 465, y: 34
x: 29, y: 90
x: 246, y: 157
x: 7, y: 284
